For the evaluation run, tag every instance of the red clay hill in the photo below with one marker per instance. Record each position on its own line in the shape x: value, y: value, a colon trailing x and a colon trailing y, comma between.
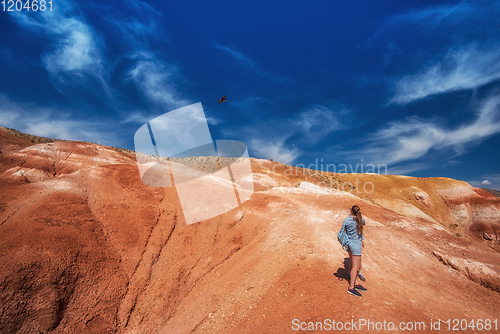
x: 87, y: 248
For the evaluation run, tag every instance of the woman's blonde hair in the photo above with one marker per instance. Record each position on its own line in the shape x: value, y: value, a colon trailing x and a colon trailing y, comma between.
x: 359, y: 219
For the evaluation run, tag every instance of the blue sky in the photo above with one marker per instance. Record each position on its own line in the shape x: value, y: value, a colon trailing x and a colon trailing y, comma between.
x: 414, y: 85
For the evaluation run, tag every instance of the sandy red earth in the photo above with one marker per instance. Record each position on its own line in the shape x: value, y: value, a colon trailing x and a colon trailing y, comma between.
x: 87, y: 248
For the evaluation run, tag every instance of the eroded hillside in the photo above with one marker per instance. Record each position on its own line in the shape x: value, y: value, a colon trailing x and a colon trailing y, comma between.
x: 87, y: 248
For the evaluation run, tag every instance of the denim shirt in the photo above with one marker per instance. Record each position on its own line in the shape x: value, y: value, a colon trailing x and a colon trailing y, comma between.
x: 350, y: 228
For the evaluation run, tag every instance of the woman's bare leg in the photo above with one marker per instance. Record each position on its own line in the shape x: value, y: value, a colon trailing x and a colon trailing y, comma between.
x: 356, y: 261
x: 350, y: 261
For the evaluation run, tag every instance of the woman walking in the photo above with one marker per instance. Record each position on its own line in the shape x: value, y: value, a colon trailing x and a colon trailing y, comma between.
x: 353, y: 226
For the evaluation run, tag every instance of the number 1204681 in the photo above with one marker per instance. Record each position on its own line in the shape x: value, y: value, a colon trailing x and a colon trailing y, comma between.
x: 26, y: 5
x: 480, y: 324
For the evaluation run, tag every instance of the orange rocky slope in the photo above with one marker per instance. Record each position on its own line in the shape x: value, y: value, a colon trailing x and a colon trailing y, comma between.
x: 87, y: 248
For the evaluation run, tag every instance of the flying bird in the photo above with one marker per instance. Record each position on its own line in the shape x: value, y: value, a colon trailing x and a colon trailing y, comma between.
x: 222, y: 99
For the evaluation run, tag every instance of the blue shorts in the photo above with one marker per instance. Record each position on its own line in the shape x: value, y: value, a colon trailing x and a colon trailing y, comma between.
x: 355, y: 247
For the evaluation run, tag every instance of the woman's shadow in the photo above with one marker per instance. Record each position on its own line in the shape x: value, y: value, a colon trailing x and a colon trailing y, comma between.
x: 342, y: 273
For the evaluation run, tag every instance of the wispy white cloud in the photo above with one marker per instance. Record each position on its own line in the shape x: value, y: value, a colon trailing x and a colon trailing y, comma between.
x: 142, y: 6
x: 275, y: 149
x: 138, y: 30
x: 75, y: 60
x: 154, y: 78
x: 286, y: 139
x: 75, y: 48
x: 137, y: 117
x: 443, y: 48
x: 491, y: 181
x: 434, y: 16
x: 466, y: 68
x: 406, y: 141
x: 251, y: 65
x: 427, y: 21
x: 435, y: 20
x: 53, y: 123
x: 239, y: 56
x: 317, y: 121
x: 76, y: 51
x: 141, y: 117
